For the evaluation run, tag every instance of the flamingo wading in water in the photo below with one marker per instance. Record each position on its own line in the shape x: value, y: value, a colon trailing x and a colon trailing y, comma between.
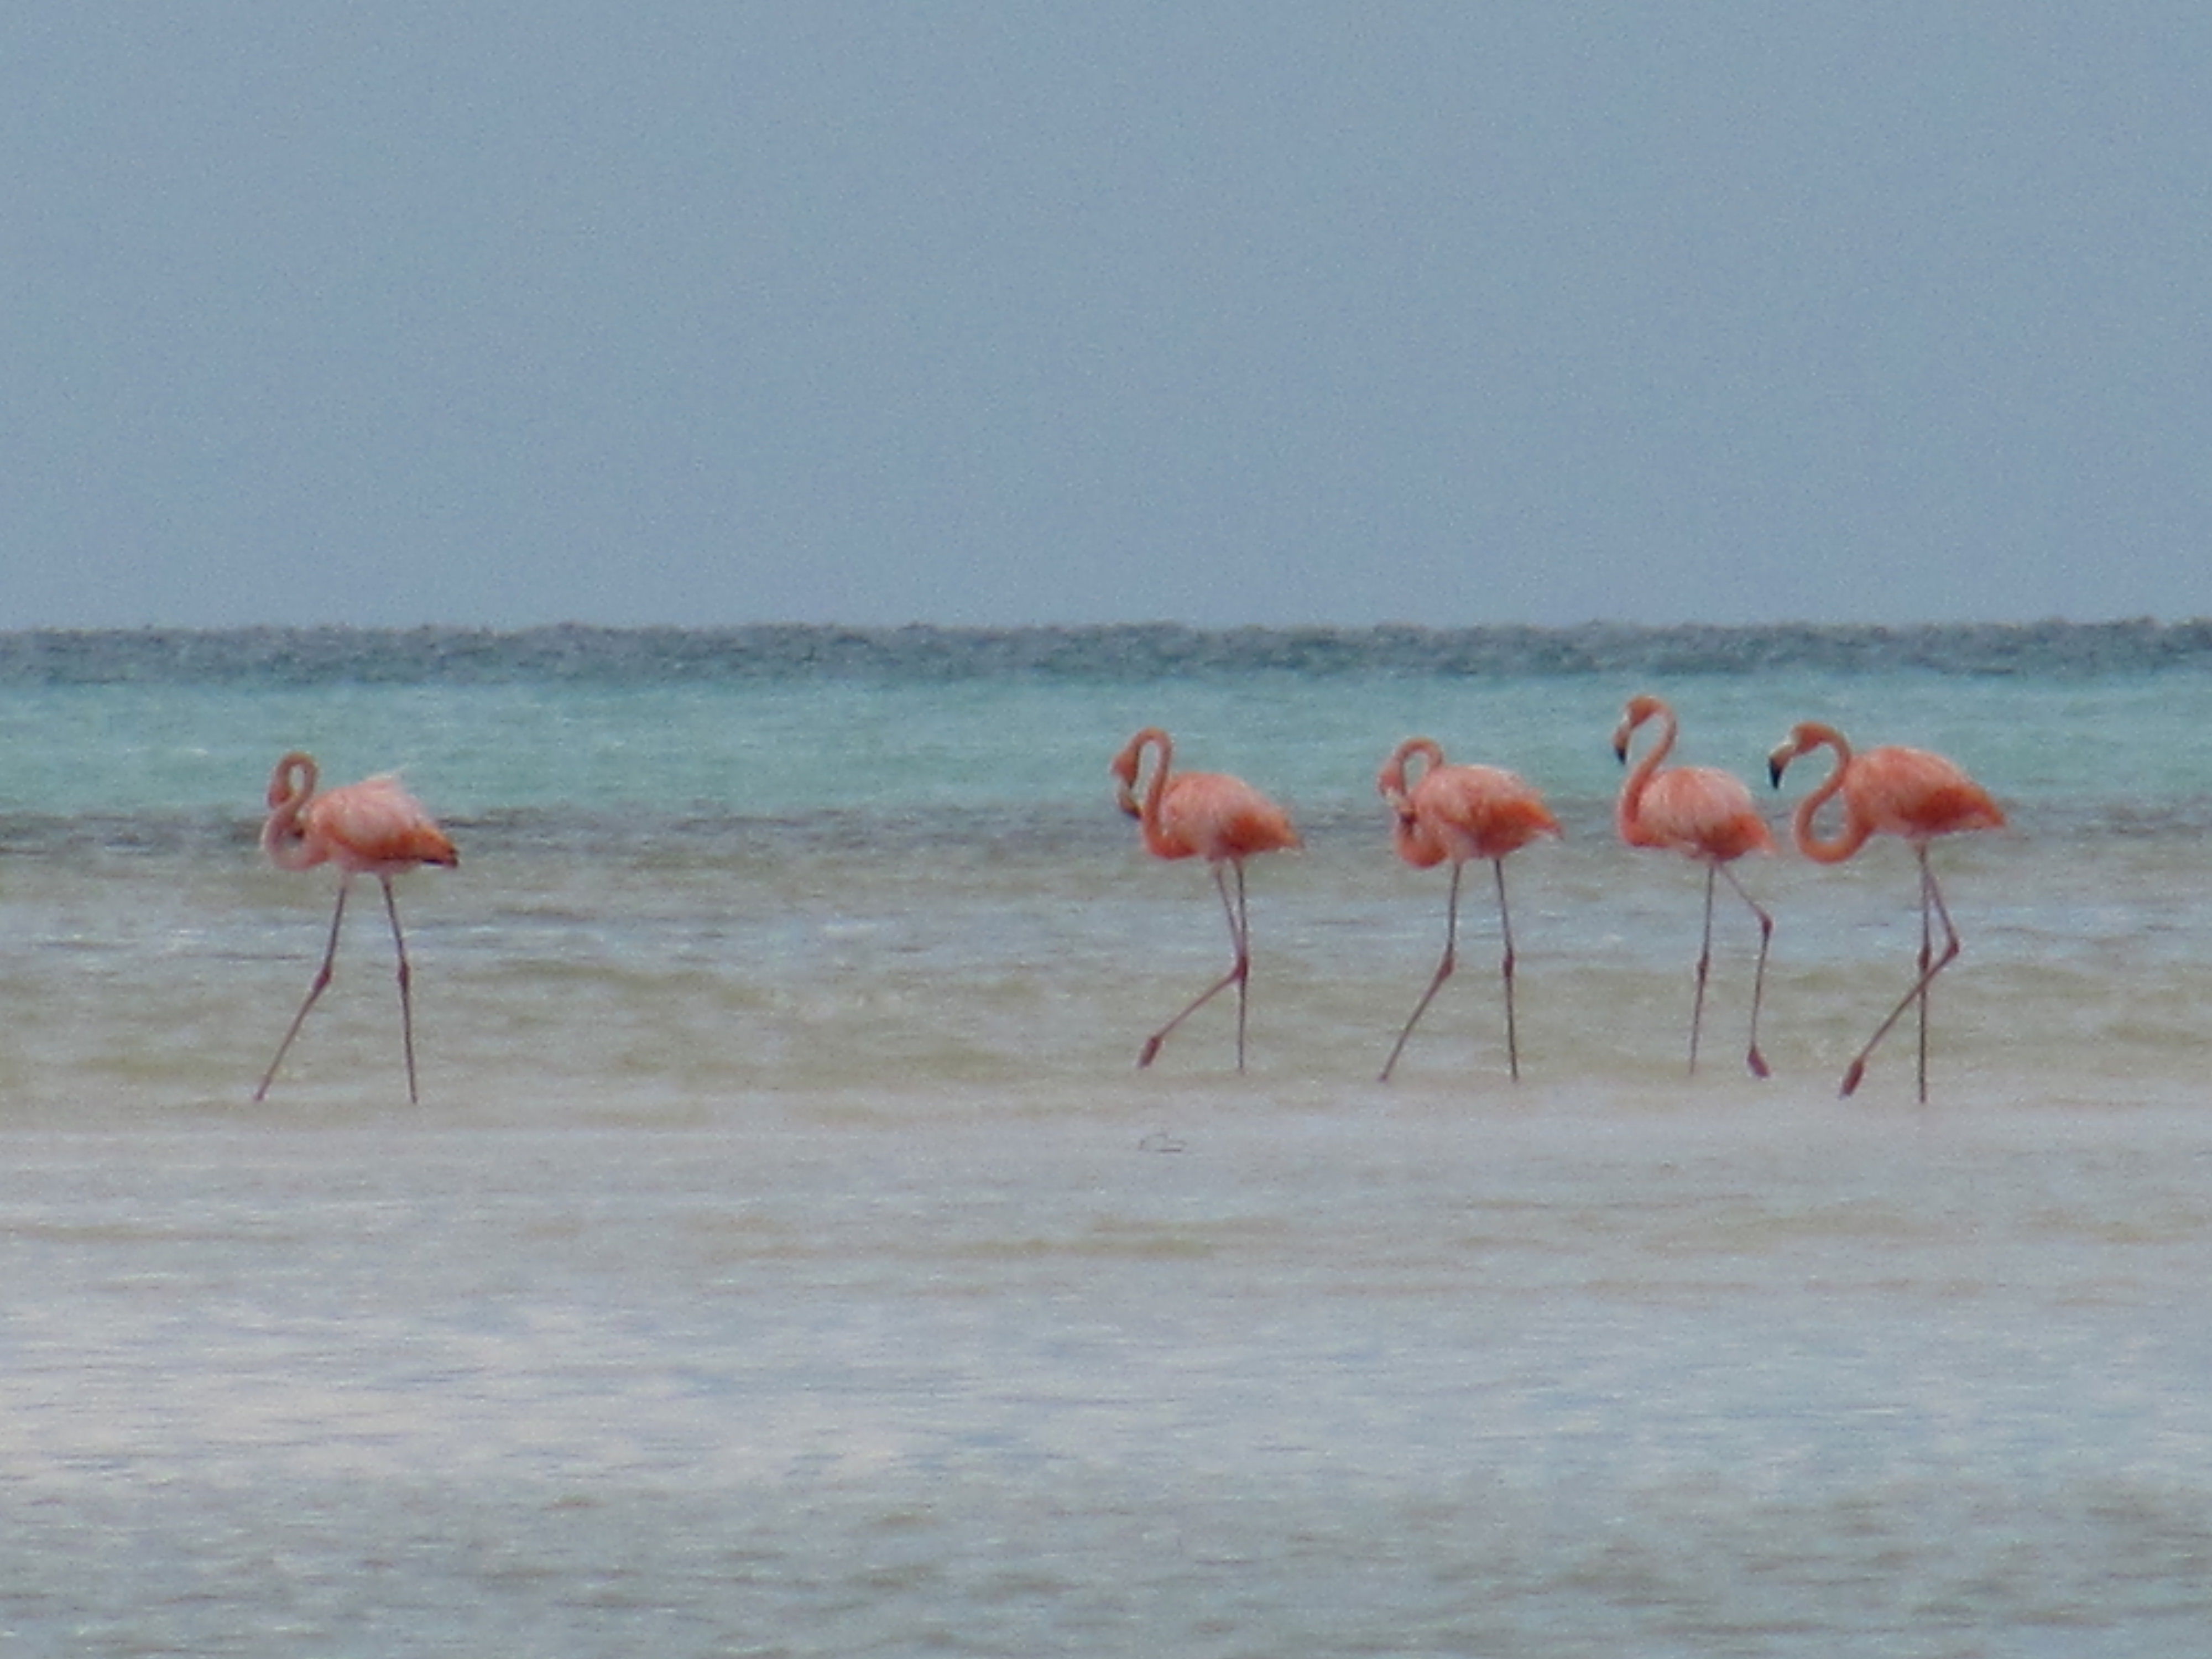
x: 1459, y: 812
x: 1704, y: 814
x: 371, y: 828
x: 1890, y: 790
x: 1208, y: 815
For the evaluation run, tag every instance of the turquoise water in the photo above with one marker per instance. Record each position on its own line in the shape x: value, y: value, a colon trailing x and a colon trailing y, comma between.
x: 792, y: 720
x: 787, y: 1257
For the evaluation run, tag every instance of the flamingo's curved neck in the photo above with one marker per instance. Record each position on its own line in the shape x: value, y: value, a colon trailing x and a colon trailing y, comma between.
x: 1155, y: 787
x: 1631, y: 807
x: 291, y: 788
x: 1395, y: 787
x: 1856, y: 829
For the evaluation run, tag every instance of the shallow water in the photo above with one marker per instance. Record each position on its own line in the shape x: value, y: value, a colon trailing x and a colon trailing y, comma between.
x: 788, y: 1258
x: 1207, y: 1371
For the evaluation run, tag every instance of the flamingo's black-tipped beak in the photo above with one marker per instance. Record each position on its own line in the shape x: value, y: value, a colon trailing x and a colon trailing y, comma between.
x: 1779, y: 758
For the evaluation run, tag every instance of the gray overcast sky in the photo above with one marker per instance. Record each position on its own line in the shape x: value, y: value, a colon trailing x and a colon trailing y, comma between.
x: 993, y: 313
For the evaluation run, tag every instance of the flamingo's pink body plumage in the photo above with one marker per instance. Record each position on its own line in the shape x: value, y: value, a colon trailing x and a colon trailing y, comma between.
x: 1208, y: 815
x: 1459, y: 812
x: 373, y: 827
x: 1703, y: 814
x: 1696, y: 811
x: 1911, y: 793
x: 1211, y: 816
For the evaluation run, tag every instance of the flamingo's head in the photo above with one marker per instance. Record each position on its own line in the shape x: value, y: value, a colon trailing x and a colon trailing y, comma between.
x: 293, y: 780
x: 1641, y: 708
x: 1390, y: 783
x: 1124, y: 767
x: 1804, y: 737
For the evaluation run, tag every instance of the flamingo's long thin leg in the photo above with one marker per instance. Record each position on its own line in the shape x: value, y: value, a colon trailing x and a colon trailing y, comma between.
x: 1450, y: 960
x: 406, y: 1001
x: 1705, y: 966
x: 1505, y: 972
x: 321, y: 981
x: 1239, y: 971
x: 1933, y: 894
x: 1753, y: 1059
x: 1927, y: 955
x: 1241, y: 929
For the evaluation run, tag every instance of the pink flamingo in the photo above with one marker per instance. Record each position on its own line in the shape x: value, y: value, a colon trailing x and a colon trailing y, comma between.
x: 1208, y: 815
x: 1460, y: 813
x: 1704, y: 814
x: 1890, y: 790
x: 372, y: 828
